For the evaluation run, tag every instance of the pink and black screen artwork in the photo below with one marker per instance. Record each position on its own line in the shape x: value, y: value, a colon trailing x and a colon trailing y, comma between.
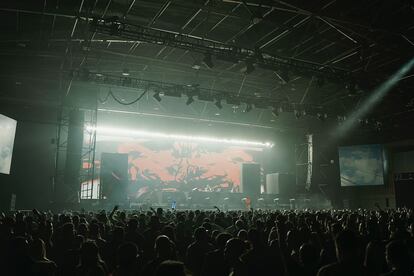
x: 172, y: 165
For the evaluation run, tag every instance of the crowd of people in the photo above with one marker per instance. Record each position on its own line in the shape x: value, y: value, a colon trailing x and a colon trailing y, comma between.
x: 205, y: 242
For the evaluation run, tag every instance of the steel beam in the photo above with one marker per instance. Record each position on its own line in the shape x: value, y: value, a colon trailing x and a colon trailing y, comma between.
x: 220, y: 50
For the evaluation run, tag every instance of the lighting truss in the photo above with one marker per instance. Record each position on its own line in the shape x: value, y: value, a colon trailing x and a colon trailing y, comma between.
x: 204, y: 94
x: 114, y: 27
x: 217, y: 96
x: 106, y: 130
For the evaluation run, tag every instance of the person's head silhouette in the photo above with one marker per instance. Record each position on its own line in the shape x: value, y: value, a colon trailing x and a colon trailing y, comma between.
x: 347, y: 246
x: 37, y: 249
x: 170, y: 268
x: 89, y: 253
x: 163, y: 247
x: 397, y: 256
x: 200, y: 234
x: 308, y: 255
x: 234, y: 249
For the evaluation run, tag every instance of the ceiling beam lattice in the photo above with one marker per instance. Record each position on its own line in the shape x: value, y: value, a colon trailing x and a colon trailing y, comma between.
x: 223, y: 51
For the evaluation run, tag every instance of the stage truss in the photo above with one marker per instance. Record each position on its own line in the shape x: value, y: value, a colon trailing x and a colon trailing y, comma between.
x: 64, y: 191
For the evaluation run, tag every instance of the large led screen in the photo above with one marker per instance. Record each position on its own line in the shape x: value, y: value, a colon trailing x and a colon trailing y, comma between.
x: 7, y: 133
x: 167, y: 164
x: 361, y: 165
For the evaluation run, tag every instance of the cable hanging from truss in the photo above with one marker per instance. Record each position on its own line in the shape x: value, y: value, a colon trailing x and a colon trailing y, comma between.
x: 120, y: 101
x: 211, y: 95
x: 176, y: 90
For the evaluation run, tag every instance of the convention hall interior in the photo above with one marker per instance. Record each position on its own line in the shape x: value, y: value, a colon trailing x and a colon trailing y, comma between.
x: 207, y: 137
x: 313, y: 100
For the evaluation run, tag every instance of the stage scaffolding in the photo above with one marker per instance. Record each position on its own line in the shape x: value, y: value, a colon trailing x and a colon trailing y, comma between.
x: 325, y: 169
x: 304, y: 160
x: 316, y: 168
x: 89, y: 186
x: 82, y: 187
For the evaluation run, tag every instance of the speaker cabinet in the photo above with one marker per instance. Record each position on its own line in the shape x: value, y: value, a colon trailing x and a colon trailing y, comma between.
x: 250, y: 179
x: 282, y: 184
x: 69, y: 192
x: 114, y: 177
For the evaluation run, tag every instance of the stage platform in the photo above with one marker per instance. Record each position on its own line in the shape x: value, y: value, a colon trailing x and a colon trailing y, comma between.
x: 214, y: 201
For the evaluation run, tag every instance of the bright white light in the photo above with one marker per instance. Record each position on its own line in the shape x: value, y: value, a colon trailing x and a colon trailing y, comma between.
x: 140, y: 133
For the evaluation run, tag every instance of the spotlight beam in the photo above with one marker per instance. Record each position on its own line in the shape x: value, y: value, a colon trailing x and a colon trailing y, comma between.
x: 378, y: 94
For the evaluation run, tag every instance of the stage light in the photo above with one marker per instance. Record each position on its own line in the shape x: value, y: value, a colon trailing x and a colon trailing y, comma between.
x: 351, y: 87
x: 111, y: 131
x: 297, y: 113
x: 319, y: 116
x: 218, y: 104
x: 378, y: 126
x: 322, y: 117
x: 126, y: 81
x: 257, y: 17
x: 157, y: 96
x: 208, y: 60
x: 196, y: 65
x: 125, y: 72
x: 190, y: 100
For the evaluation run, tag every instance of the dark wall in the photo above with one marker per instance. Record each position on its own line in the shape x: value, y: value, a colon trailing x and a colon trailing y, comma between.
x: 403, y: 160
x: 326, y: 153
x: 281, y: 158
x: 399, y: 156
x: 33, y: 157
x: 325, y: 169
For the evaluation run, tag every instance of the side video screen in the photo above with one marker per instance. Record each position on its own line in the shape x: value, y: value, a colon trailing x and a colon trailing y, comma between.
x: 362, y: 165
x: 7, y: 133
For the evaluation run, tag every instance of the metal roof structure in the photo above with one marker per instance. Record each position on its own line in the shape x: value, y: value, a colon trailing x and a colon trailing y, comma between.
x: 326, y: 55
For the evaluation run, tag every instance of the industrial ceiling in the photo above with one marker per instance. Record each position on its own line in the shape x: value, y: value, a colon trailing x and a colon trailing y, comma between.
x: 313, y: 57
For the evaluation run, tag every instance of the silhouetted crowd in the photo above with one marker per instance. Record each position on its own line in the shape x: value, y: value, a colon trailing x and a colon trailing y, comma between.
x: 200, y: 243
